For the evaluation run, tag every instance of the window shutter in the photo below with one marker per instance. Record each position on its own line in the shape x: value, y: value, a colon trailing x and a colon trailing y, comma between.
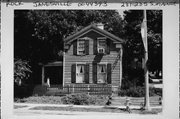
x: 109, y: 73
x: 95, y: 47
x: 73, y: 73
x: 87, y: 47
x: 107, y: 47
x: 75, y: 47
x: 95, y: 73
x: 87, y: 73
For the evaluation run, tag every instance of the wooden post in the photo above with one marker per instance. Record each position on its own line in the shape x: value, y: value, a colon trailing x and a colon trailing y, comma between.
x: 88, y: 89
x: 73, y: 88
x: 120, y: 66
x: 42, y: 75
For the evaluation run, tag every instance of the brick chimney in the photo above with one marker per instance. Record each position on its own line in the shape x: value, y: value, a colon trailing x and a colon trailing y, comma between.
x: 100, y: 25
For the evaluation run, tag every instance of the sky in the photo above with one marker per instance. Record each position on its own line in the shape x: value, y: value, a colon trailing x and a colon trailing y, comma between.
x: 121, y: 13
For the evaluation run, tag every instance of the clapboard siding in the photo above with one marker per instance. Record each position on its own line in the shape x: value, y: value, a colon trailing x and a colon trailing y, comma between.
x: 91, y: 58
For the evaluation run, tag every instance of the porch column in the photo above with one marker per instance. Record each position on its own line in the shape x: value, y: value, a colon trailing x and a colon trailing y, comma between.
x: 42, y: 75
x: 120, y: 66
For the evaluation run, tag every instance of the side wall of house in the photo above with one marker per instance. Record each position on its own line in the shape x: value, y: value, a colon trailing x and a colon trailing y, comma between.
x: 71, y: 59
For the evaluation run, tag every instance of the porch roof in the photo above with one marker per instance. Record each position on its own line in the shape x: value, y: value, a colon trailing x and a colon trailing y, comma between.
x: 56, y: 63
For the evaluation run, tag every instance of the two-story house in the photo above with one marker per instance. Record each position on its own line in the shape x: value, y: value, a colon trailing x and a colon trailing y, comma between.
x: 93, y: 57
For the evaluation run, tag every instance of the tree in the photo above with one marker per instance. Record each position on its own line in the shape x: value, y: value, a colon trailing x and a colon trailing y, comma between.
x: 39, y: 34
x: 134, y: 46
x: 21, y: 71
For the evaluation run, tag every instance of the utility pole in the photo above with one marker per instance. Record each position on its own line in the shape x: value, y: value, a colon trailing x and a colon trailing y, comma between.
x: 144, y: 37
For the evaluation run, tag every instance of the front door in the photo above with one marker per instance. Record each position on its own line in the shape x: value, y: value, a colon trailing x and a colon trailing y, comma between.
x: 80, y: 73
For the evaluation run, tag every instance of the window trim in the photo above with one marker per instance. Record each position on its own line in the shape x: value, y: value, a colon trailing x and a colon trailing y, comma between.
x: 81, y: 63
x: 98, y: 47
x: 102, y: 63
x: 83, y: 39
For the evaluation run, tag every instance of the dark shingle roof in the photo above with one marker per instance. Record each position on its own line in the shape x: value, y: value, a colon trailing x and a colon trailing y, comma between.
x: 89, y: 28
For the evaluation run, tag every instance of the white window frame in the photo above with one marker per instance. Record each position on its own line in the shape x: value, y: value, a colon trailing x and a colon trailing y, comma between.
x: 81, y: 39
x: 80, y: 63
x: 103, y: 63
x: 100, y: 47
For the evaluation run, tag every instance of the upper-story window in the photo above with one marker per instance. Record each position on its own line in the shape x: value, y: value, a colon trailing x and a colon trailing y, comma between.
x: 81, y: 47
x: 101, y: 45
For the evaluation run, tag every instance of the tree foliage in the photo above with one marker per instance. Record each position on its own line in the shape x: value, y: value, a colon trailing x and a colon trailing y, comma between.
x: 41, y: 32
x: 134, y: 46
x: 22, y: 71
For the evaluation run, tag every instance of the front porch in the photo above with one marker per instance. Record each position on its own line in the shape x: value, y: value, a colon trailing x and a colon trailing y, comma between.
x: 52, y: 74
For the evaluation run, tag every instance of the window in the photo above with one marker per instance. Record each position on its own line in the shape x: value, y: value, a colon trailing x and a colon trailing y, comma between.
x: 81, y: 47
x: 80, y: 72
x: 101, y: 73
x: 101, y: 45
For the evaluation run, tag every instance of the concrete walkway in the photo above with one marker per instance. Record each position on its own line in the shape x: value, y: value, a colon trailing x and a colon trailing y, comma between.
x: 24, y: 109
x: 30, y: 105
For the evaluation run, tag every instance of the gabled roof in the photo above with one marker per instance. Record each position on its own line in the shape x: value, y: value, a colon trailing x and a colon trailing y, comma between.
x: 89, y: 28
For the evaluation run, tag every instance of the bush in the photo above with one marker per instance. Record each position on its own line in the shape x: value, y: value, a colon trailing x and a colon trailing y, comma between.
x: 83, y: 99
x: 76, y: 99
x: 40, y: 99
x: 22, y: 71
x: 139, y: 92
x: 40, y: 90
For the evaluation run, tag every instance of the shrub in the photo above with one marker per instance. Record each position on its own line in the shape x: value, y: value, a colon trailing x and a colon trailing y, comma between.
x: 40, y: 90
x: 22, y: 71
x: 83, y: 99
x: 139, y: 92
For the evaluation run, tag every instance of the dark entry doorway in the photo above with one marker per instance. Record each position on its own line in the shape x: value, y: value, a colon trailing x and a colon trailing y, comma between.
x: 55, y: 74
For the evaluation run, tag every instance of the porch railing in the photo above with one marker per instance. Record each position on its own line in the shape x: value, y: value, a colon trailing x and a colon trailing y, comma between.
x: 90, y: 89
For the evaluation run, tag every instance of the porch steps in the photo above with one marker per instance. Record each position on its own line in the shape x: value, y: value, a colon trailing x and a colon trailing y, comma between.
x: 154, y: 101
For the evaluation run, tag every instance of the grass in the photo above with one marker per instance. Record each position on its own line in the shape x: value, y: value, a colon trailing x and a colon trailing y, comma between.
x: 40, y: 99
x: 105, y: 109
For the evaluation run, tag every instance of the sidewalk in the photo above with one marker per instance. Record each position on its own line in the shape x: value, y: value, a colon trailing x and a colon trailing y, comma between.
x: 30, y: 105
x: 26, y: 109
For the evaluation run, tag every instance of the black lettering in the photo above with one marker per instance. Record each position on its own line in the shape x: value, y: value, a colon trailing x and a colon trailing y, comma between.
x: 80, y: 4
x: 35, y: 4
x: 140, y: 4
x: 145, y: 3
x: 136, y: 4
x: 152, y: 4
x: 105, y: 3
x: 123, y: 4
x: 69, y: 3
x: 14, y: 3
x: 89, y: 3
x: 127, y: 4
x: 156, y: 4
x: 95, y: 3
x: 100, y: 4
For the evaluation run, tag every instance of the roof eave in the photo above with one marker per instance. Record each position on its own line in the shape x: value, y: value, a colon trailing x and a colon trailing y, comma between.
x: 106, y: 33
